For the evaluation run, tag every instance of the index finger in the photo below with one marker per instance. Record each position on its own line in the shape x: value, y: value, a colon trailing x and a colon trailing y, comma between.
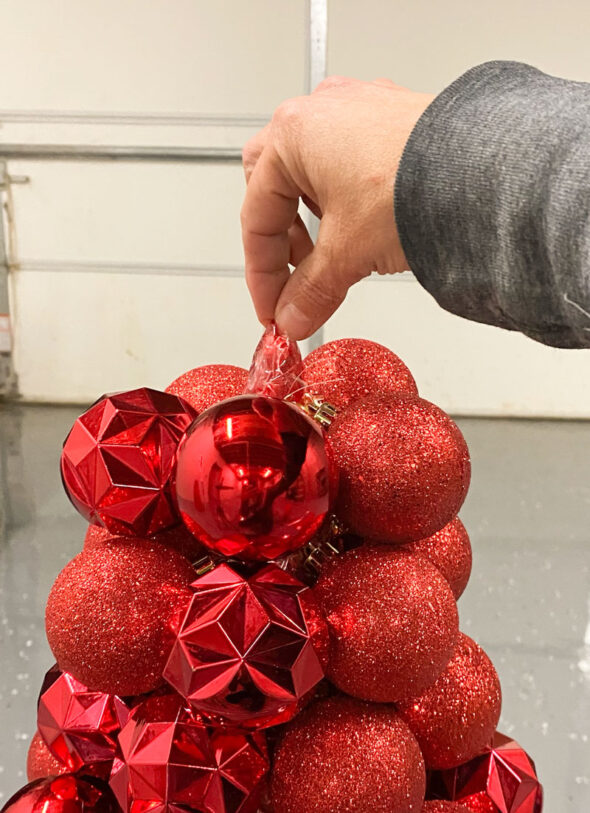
x: 269, y: 210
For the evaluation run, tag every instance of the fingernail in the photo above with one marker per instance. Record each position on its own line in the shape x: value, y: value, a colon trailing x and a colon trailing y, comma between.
x: 294, y: 322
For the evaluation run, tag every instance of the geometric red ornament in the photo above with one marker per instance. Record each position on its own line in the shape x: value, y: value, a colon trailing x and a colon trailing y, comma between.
x: 78, y: 726
x: 63, y: 794
x: 502, y: 780
x: 253, y: 477
x: 171, y: 762
x: 245, y: 652
x: 117, y: 460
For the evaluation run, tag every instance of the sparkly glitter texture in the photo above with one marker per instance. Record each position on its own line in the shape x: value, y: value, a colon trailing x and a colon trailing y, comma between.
x: 455, y: 719
x: 108, y: 612
x: 501, y: 780
x: 177, y: 538
x: 171, y: 762
x: 253, y: 477
x: 404, y: 468
x: 392, y: 619
x: 41, y: 762
x: 63, y: 794
x: 449, y: 550
x: 244, y: 651
x: 117, y: 460
x: 80, y: 727
x: 444, y: 807
x: 345, y: 370
x: 205, y: 386
x: 347, y: 756
x: 276, y: 367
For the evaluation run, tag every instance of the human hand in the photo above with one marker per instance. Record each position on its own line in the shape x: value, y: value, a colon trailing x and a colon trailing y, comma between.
x: 338, y: 150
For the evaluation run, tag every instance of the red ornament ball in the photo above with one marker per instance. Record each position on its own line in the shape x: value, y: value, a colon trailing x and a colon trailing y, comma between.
x: 117, y: 460
x: 347, y: 756
x: 109, y: 614
x: 253, y: 477
x: 63, y: 794
x: 392, y: 620
x: 40, y: 761
x: 178, y: 538
x: 439, y: 806
x: 205, y: 386
x: 259, y: 632
x: 80, y: 727
x: 455, y: 718
x: 404, y: 468
x: 502, y: 779
x: 449, y: 550
x: 346, y: 370
x: 170, y: 761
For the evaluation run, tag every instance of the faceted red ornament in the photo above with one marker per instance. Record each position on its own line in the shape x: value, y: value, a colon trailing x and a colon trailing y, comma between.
x: 245, y: 650
x: 171, y: 762
x: 63, y: 794
x: 80, y: 727
x: 502, y: 779
x: 41, y: 762
x: 277, y: 366
x: 117, y: 460
x: 253, y: 477
x: 207, y: 385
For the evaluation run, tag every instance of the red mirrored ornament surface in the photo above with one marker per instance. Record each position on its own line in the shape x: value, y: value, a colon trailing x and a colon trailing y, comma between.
x: 253, y: 477
x: 277, y: 366
x: 502, y: 780
x: 117, y: 460
x: 63, y: 794
x: 171, y: 762
x: 78, y: 726
x: 245, y: 651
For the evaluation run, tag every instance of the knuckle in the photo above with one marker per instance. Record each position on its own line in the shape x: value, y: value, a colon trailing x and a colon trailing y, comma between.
x: 287, y: 113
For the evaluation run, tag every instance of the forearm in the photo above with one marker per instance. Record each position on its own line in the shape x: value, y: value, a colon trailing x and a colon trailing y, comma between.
x: 492, y: 202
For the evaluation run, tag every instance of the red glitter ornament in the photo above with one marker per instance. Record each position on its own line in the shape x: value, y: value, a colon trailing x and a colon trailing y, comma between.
x: 170, y: 761
x: 455, y: 718
x: 439, y: 806
x: 392, y: 619
x: 404, y: 468
x: 63, y: 794
x: 40, y: 761
x: 109, y: 612
x: 178, y: 538
x: 205, y: 386
x: 80, y: 727
x: 117, y: 460
x: 253, y: 477
x: 449, y: 550
x: 276, y: 367
x: 343, y: 371
x: 502, y: 779
x: 347, y: 756
x: 244, y: 652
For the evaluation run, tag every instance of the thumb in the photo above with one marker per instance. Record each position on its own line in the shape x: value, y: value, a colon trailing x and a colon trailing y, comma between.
x: 317, y: 287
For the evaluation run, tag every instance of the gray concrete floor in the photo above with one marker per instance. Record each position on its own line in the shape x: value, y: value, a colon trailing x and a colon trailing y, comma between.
x: 528, y: 602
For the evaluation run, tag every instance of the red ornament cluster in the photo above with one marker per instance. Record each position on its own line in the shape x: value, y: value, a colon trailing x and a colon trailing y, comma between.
x: 248, y: 541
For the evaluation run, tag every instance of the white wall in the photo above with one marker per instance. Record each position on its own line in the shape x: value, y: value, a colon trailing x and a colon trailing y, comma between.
x: 128, y: 273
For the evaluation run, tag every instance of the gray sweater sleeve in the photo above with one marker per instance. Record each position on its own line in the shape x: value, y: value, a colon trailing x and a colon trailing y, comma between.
x: 492, y: 201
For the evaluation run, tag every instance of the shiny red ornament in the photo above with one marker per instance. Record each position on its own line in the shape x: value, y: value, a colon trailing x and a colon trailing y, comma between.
x: 40, y: 761
x: 439, y: 806
x: 109, y: 613
x: 63, y: 794
x: 80, y: 727
x: 449, y: 550
x: 117, y: 460
x: 455, y: 718
x: 277, y: 366
x: 170, y: 761
x: 253, y: 478
x: 346, y: 370
x: 205, y: 386
x: 404, y: 468
x: 245, y: 652
x: 347, y: 756
x: 392, y: 620
x: 502, y: 779
x: 178, y: 538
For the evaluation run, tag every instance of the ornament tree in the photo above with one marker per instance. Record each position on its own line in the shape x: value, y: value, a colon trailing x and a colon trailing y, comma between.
x: 263, y: 616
